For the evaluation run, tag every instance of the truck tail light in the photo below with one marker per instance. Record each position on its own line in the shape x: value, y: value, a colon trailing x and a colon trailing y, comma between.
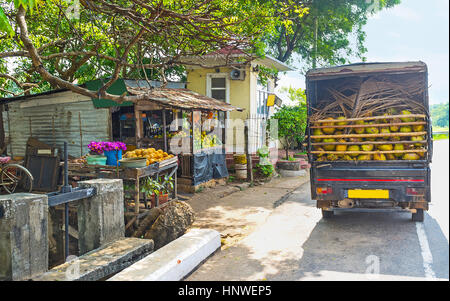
x: 324, y: 190
x: 415, y: 191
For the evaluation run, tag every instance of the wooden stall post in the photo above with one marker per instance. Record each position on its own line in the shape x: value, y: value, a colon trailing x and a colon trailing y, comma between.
x: 164, y: 129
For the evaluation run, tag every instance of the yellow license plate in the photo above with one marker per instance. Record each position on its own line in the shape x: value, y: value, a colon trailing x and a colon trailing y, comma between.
x: 368, y: 194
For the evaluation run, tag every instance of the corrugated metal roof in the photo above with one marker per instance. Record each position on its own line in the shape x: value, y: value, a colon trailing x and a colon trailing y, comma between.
x: 363, y: 68
x: 182, y: 98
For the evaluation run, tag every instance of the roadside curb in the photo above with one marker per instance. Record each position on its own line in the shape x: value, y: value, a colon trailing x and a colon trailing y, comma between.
x: 175, y: 260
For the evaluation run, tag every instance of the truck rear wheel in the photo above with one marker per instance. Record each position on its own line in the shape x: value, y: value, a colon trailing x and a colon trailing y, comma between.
x: 327, y: 213
x: 418, y: 216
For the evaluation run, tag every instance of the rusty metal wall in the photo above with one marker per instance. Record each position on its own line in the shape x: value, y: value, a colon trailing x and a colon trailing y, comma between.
x: 56, y: 122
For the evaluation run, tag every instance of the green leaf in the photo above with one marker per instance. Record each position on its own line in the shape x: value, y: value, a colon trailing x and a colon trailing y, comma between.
x: 4, y: 23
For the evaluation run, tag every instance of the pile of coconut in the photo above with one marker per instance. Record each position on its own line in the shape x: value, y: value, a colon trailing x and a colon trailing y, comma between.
x: 394, y: 135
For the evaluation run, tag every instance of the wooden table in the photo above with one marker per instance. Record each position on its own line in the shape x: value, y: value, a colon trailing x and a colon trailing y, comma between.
x: 168, y: 166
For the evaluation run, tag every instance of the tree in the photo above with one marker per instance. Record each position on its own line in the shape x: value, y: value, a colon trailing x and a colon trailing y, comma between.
x: 439, y: 114
x: 291, y: 122
x: 337, y: 22
x: 57, y: 44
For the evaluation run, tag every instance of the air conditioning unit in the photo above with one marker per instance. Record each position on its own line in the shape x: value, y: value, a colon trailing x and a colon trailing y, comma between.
x: 237, y: 74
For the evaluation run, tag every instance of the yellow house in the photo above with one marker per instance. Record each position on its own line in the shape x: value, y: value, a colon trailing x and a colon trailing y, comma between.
x: 223, y: 76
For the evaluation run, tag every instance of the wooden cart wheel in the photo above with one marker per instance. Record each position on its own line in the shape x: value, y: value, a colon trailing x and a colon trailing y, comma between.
x: 15, y: 176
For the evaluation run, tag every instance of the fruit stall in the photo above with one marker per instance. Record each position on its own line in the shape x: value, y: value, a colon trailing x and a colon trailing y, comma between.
x: 190, y: 126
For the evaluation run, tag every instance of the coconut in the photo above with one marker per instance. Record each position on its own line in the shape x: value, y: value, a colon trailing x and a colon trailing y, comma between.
x: 367, y: 147
x: 359, y: 130
x: 406, y: 119
x: 385, y: 147
x: 353, y: 148
x: 417, y: 138
x: 379, y: 157
x: 332, y: 157
x: 329, y: 130
x: 317, y: 132
x: 390, y: 157
x: 385, y: 120
x: 372, y: 129
x: 405, y: 129
x: 411, y: 156
x: 355, y: 139
x: 364, y: 157
x: 329, y: 147
x: 418, y: 128
x: 392, y: 111
x: 320, y: 149
x: 342, y: 147
x: 398, y: 147
x: 385, y: 130
x: 341, y: 122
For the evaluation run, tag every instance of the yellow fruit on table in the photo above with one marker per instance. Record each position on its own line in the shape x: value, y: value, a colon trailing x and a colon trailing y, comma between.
x: 405, y: 129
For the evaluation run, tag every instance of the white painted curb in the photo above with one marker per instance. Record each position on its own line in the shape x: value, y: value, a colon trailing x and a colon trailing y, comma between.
x: 175, y: 260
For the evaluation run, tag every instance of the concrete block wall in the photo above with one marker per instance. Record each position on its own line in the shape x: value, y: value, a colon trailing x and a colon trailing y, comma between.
x: 100, y: 218
x: 23, y: 236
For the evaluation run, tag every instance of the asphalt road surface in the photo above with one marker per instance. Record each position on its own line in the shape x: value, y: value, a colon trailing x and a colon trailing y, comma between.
x: 295, y: 243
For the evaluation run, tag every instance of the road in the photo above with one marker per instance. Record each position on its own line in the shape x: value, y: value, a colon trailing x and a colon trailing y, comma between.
x: 295, y: 243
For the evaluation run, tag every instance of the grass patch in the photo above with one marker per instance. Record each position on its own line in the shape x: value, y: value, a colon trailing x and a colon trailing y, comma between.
x: 440, y: 136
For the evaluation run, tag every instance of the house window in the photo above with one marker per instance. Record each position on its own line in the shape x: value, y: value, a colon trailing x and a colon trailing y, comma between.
x: 217, y: 87
x: 262, y: 94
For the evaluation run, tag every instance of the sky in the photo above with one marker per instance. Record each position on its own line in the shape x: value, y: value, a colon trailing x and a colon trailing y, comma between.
x: 414, y: 30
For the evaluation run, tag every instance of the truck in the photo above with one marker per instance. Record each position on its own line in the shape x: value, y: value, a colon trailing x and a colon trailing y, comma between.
x: 383, y: 177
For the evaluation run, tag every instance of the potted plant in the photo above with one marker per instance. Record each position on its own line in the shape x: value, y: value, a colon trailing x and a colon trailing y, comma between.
x: 161, y: 187
x: 96, y: 154
x: 113, y: 152
x: 166, y: 186
x: 291, y: 121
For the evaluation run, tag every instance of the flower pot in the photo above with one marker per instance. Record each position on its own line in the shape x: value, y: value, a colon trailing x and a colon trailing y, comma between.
x: 113, y: 157
x: 96, y: 160
x: 163, y: 198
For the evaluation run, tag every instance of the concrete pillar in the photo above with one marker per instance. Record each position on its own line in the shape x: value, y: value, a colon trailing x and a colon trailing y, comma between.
x: 100, y: 218
x: 23, y: 236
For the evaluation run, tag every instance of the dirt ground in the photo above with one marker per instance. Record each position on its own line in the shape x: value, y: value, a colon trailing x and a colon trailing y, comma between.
x: 238, y: 214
